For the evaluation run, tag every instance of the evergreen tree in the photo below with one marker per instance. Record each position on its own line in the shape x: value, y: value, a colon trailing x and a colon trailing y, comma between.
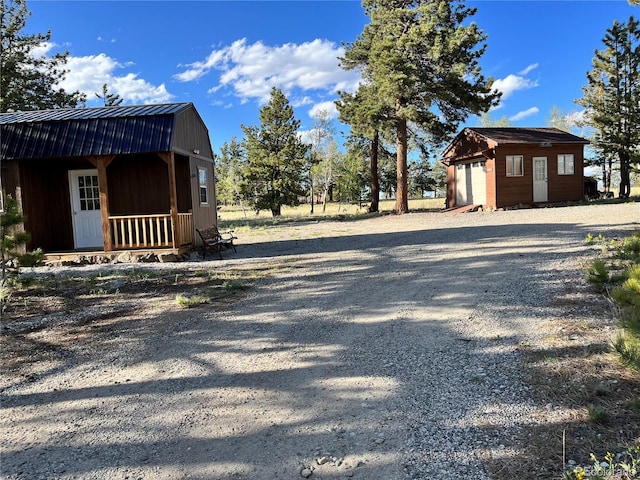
x: 421, y: 177
x: 367, y: 114
x: 352, y: 175
x: 109, y: 99
x: 28, y: 82
x: 276, y: 157
x: 13, y: 239
x: 229, y: 179
x: 422, y: 63
x: 440, y: 177
x: 612, y: 99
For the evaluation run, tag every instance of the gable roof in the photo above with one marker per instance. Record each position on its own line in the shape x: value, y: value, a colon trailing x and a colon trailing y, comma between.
x: 509, y: 135
x: 528, y: 135
x: 71, y: 132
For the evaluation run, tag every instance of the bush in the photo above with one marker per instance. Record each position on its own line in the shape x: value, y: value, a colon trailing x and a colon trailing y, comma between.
x: 598, y: 273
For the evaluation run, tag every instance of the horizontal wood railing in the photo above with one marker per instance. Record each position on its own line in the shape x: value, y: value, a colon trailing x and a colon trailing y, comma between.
x: 149, y: 231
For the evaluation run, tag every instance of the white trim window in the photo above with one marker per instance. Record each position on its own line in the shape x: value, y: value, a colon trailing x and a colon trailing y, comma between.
x: 515, y: 165
x: 204, y: 189
x: 566, y: 164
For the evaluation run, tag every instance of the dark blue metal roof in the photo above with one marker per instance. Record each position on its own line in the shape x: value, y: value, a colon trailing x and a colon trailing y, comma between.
x: 71, y: 132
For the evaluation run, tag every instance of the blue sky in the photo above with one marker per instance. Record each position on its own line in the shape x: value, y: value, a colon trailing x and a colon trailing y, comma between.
x: 224, y: 56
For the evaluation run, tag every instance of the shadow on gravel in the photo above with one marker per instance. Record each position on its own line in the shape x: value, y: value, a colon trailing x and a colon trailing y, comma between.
x: 409, y: 346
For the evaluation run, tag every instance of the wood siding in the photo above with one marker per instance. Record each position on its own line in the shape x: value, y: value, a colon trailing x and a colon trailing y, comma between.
x: 191, y: 134
x: 203, y: 215
x: 138, y: 185
x: 512, y: 191
x: 46, y: 183
x: 183, y: 182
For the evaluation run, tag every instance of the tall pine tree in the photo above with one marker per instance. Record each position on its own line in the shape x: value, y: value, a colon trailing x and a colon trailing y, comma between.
x: 276, y: 160
x: 422, y: 61
x: 612, y: 99
x: 27, y: 81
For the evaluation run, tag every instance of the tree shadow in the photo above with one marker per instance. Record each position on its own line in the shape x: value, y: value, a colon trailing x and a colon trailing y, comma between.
x: 393, y: 361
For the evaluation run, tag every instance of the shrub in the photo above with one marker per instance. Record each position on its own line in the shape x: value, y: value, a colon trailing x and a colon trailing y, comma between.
x: 192, y: 301
x: 598, y: 273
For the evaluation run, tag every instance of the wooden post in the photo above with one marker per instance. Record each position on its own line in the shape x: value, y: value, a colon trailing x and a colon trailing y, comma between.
x: 169, y: 158
x: 101, y: 163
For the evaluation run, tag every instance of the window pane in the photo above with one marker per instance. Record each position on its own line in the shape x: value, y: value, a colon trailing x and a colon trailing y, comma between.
x: 517, y: 166
x: 83, y: 205
x: 202, y: 177
x: 509, y: 166
x: 569, y: 168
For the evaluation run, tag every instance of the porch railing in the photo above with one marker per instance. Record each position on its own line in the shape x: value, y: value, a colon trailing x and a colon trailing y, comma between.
x: 149, y: 231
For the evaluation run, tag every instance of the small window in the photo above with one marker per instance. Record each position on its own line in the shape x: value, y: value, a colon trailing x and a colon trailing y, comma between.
x: 515, y: 165
x: 204, y: 192
x: 565, y: 164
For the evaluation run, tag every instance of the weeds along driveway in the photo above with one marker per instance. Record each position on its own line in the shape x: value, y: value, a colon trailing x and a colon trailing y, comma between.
x: 385, y: 348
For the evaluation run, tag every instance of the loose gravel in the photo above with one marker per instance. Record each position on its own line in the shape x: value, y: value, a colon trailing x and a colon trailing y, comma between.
x: 386, y: 348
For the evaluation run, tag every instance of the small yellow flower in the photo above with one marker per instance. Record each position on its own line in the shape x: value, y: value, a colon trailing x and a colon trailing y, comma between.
x: 579, y: 473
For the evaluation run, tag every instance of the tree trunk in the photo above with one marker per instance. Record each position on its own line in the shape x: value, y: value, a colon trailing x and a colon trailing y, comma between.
x: 375, y: 180
x: 312, y: 203
x: 625, y: 181
x: 402, y: 189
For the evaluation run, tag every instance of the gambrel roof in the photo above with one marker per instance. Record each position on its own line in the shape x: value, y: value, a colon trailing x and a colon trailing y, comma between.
x: 71, y: 132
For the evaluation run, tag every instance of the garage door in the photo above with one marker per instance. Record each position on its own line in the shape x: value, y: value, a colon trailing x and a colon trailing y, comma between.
x: 471, y: 183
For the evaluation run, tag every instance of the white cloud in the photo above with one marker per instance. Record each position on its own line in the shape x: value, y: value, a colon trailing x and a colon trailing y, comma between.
x: 524, y: 114
x: 251, y: 70
x: 43, y: 49
x: 533, y: 66
x: 329, y: 107
x: 88, y: 74
x: 512, y: 83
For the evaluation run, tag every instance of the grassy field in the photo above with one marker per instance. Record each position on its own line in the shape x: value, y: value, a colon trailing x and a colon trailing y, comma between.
x: 233, y: 216
x: 235, y: 213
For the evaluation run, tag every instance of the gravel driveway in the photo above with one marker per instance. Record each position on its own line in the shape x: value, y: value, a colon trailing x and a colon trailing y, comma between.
x: 385, y: 348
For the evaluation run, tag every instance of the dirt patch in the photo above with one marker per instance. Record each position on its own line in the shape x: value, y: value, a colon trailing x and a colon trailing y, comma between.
x: 51, y: 314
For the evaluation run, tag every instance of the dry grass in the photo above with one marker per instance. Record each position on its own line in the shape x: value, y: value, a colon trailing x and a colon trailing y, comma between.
x: 235, y: 212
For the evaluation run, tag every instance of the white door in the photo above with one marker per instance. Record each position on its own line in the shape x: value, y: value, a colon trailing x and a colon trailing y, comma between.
x: 85, y: 208
x: 478, y: 184
x: 461, y: 185
x: 540, y: 190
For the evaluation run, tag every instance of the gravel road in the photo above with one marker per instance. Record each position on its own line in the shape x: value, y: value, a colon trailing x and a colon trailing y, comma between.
x: 385, y: 348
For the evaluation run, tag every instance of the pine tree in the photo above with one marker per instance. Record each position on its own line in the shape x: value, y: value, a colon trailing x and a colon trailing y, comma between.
x: 12, y: 239
x: 612, y: 99
x: 28, y: 82
x: 423, y: 64
x: 109, y: 99
x: 367, y: 114
x: 276, y: 157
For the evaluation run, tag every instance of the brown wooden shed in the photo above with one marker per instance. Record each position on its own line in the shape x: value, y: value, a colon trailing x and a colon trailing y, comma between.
x: 503, y: 167
x: 110, y: 179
